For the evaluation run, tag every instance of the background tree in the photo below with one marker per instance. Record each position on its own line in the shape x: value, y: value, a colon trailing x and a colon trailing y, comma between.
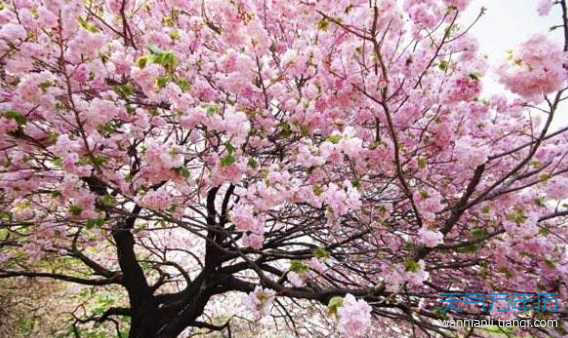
x: 332, y: 164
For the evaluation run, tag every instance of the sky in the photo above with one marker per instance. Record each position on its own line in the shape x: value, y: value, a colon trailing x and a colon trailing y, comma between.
x: 505, y: 25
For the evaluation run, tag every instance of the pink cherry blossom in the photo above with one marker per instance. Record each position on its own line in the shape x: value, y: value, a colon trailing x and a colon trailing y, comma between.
x: 430, y: 238
x: 244, y: 218
x: 260, y: 301
x: 100, y: 112
x: 471, y: 153
x: 186, y: 156
x: 354, y: 317
x: 557, y: 187
x: 295, y: 279
x: 340, y: 201
x: 462, y: 89
x: 537, y: 68
x: 156, y: 200
x: 544, y: 7
x: 12, y: 32
x: 253, y: 240
x: 316, y: 265
x: 46, y: 18
x: 459, y: 4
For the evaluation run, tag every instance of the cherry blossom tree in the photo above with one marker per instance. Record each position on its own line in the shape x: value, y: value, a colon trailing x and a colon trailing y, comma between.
x: 323, y: 167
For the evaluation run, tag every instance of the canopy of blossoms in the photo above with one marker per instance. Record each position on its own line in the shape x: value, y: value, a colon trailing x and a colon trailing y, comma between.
x: 324, y: 167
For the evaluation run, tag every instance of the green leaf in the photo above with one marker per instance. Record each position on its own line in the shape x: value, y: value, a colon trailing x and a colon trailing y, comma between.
x: 305, y: 130
x: 145, y: 265
x: 162, y: 81
x: 169, y: 61
x: 544, y: 177
x: 164, y: 58
x: 323, y: 24
x: 479, y: 233
x: 518, y: 217
x: 90, y: 27
x: 318, y: 190
x: 184, y: 84
x: 334, y: 304
x: 104, y: 57
x: 173, y: 207
x: 85, y: 160
x: 138, y: 230
x: 184, y: 172
x: 58, y: 162
x: 44, y: 85
x: 107, y: 200
x: 550, y: 263
x: 262, y: 296
x: 443, y: 65
x: 123, y: 89
x: 505, y: 271
x: 52, y: 138
x: 421, y: 162
x: 286, y: 131
x: 440, y: 314
x: 212, y: 109
x: 450, y: 29
x: 142, y: 61
x: 334, y: 138
x: 297, y: 266
x: 130, y: 109
x: 321, y: 253
x: 99, y: 160
x: 14, y: 115
x: 155, y: 51
x: 252, y: 163
x: 227, y: 160
x: 540, y: 202
x: 108, y: 128
x: 544, y: 232
x: 356, y: 183
x: 168, y: 21
x: 468, y: 249
x: 99, y: 310
x: 96, y: 222
x: 230, y: 148
x: 476, y: 76
x: 174, y: 35
x: 75, y: 210
x: 411, y: 265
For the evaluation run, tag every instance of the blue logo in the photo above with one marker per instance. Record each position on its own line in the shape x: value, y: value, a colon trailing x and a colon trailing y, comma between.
x: 519, y: 301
